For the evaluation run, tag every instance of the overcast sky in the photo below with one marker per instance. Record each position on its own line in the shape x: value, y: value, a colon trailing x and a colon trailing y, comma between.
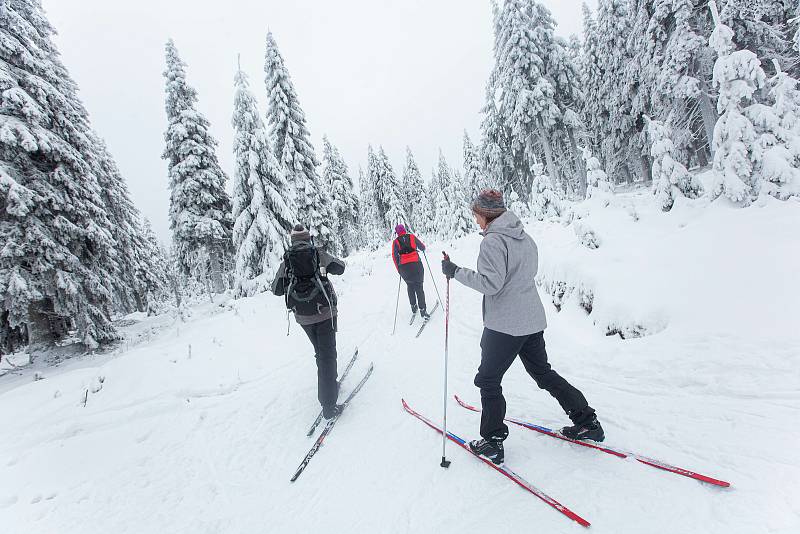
x: 391, y: 73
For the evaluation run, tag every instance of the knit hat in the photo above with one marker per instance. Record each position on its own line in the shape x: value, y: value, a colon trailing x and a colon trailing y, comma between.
x: 400, y: 229
x: 489, y: 203
x: 299, y: 233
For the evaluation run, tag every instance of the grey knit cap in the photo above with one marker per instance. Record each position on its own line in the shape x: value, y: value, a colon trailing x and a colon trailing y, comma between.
x: 300, y: 233
x: 489, y: 203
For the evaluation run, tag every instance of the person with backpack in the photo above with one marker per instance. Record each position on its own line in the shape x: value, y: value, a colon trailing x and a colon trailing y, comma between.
x: 302, y: 279
x: 409, y: 266
x: 514, y: 322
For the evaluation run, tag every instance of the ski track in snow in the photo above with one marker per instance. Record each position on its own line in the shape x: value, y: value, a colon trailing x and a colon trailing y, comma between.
x: 205, y: 441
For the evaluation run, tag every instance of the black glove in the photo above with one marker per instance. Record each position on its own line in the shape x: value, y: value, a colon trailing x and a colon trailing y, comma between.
x: 449, y: 268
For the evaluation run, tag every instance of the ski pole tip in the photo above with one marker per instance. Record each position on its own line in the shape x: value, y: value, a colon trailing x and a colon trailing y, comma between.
x: 445, y: 463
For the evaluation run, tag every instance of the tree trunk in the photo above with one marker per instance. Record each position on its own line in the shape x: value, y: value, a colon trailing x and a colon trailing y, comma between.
x: 709, y: 113
x: 548, y: 155
x: 647, y: 170
x: 216, y: 271
x: 579, y: 164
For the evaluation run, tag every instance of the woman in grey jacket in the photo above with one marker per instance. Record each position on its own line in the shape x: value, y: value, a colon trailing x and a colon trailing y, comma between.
x: 514, y: 323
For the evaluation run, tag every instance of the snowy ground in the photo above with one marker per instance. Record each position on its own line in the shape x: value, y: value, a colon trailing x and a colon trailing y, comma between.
x: 199, y: 428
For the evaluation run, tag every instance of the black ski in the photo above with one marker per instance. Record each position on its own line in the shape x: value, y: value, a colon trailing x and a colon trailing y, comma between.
x: 329, y: 426
x: 318, y: 420
x: 425, y: 322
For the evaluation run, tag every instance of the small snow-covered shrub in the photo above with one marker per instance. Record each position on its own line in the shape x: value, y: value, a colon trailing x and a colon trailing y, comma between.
x: 587, y: 236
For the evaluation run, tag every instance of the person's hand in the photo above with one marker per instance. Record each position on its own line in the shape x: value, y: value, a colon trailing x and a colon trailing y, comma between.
x: 448, y: 267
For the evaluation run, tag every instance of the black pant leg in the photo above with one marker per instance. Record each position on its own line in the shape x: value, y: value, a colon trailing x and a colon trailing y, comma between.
x: 498, y: 351
x: 412, y: 294
x: 534, y: 358
x: 323, y: 337
x: 421, y: 289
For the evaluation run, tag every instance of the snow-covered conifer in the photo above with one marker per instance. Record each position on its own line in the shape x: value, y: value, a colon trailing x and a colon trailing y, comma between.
x: 414, y: 192
x: 293, y: 148
x: 776, y: 152
x: 261, y: 214
x: 200, y: 209
x: 461, y: 222
x: 545, y: 201
x: 737, y: 75
x: 670, y: 177
x: 597, y: 180
x: 516, y: 205
x: 474, y: 178
x: 344, y: 202
x: 371, y: 231
x: 390, y: 193
x: 58, y: 255
x: 527, y: 107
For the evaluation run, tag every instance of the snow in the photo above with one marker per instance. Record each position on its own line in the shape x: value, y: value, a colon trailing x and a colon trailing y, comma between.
x: 198, y: 426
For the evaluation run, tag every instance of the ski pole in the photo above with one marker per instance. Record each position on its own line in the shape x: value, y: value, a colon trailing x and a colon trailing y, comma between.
x: 433, y: 277
x: 445, y: 462
x: 397, y: 304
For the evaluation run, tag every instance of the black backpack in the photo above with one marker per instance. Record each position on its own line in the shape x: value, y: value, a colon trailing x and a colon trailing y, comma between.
x: 404, y: 242
x: 306, y: 293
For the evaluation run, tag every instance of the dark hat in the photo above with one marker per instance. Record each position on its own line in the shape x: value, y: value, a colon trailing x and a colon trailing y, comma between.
x: 300, y: 233
x: 489, y: 203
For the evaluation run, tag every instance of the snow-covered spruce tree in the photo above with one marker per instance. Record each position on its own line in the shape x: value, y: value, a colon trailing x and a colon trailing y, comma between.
x: 159, y: 283
x: 474, y: 178
x: 293, y: 148
x: 545, y: 200
x: 452, y: 217
x: 670, y: 177
x: 519, y: 207
x: 764, y: 28
x: 496, y: 159
x: 461, y: 222
x: 527, y: 106
x: 261, y: 216
x: 135, y: 278
x: 390, y: 194
x: 597, y: 181
x: 609, y: 104
x: 737, y: 75
x: 414, y: 193
x: 58, y: 261
x: 370, y: 230
x: 776, y: 152
x: 344, y: 202
x: 670, y: 70
x: 425, y: 211
x: 200, y: 209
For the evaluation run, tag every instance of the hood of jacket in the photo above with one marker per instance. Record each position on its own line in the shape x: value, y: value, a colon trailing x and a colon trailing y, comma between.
x: 508, y: 224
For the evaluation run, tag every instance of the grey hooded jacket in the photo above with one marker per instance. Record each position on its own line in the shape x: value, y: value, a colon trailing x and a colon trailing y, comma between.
x: 507, y: 265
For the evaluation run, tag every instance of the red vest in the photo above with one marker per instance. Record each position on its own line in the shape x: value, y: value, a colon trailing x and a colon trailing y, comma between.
x: 409, y: 257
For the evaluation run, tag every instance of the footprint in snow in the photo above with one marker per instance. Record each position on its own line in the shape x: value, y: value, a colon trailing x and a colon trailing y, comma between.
x: 10, y: 500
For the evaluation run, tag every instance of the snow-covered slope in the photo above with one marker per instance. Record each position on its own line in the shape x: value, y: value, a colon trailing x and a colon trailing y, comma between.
x: 199, y: 429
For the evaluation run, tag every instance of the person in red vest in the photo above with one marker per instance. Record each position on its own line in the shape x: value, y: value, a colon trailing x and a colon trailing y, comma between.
x: 406, y: 260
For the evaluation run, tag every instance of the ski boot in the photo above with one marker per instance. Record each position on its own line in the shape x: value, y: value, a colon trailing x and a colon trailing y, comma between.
x: 424, y: 314
x: 491, y: 449
x: 329, y: 412
x: 590, y: 429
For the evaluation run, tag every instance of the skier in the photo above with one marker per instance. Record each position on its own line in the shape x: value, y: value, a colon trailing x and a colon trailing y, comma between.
x: 302, y: 279
x: 514, y: 322
x: 407, y: 262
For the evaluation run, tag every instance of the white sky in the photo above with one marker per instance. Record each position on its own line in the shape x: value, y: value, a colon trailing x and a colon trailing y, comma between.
x: 391, y: 73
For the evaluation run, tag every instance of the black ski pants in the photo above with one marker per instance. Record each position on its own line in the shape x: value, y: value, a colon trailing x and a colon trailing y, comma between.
x: 323, y: 337
x: 414, y: 276
x: 498, y: 352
